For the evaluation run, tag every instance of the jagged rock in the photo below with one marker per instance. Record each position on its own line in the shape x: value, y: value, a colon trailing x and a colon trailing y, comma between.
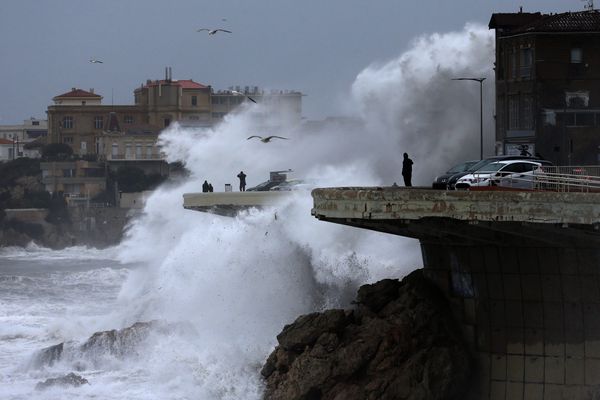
x: 71, y: 379
x: 49, y: 355
x: 118, y: 343
x: 400, y: 342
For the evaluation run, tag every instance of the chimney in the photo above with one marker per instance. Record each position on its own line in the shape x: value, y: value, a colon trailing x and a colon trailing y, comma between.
x: 73, y: 89
x: 92, y: 90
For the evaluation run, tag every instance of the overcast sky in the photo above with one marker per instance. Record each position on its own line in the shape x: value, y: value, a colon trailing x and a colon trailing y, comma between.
x: 315, y: 46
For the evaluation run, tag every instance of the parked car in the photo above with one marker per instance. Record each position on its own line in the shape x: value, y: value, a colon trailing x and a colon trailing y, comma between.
x: 441, y: 181
x: 264, y: 186
x: 454, y: 178
x: 295, y: 184
x: 518, y: 174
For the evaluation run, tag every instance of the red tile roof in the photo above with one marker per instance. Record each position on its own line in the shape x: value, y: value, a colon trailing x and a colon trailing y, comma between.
x: 78, y: 93
x: 5, y: 141
x: 512, y: 20
x: 582, y: 21
x: 183, y: 83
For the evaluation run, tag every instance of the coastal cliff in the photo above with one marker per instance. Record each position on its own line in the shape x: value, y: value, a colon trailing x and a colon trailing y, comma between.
x: 399, y: 342
x: 94, y: 227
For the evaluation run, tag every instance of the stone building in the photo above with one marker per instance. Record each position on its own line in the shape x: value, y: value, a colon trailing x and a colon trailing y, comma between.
x: 548, y: 85
x: 17, y: 140
x: 79, y: 119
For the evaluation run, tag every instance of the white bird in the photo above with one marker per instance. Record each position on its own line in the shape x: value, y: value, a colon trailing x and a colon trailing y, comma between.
x: 95, y: 61
x: 242, y: 94
x: 213, y: 31
x: 266, y: 139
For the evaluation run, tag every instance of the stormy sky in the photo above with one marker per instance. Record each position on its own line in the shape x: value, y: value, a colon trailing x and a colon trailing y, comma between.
x: 318, y: 47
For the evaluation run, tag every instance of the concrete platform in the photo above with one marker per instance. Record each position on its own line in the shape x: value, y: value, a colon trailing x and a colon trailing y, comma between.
x: 521, y: 271
x: 230, y: 203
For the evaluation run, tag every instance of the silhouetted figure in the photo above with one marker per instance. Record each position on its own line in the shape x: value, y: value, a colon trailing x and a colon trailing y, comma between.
x: 242, y: 177
x: 210, y: 187
x: 407, y: 170
x: 205, y: 187
x: 524, y: 149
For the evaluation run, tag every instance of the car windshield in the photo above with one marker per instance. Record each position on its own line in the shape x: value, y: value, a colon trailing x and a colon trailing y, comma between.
x: 491, y: 167
x: 461, y: 167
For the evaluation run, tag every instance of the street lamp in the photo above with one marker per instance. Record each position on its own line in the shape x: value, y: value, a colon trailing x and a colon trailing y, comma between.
x: 480, y: 80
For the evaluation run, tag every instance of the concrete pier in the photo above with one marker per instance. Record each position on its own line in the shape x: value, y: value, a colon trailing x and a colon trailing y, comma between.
x: 521, y: 270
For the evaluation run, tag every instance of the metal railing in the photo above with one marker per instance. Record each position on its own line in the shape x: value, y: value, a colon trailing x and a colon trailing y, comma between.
x: 555, y: 178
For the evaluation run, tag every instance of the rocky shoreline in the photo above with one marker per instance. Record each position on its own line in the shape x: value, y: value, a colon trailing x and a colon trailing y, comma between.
x: 399, y: 342
x: 93, y: 227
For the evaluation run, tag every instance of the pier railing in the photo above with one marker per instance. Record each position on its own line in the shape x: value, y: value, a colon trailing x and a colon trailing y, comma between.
x: 556, y: 178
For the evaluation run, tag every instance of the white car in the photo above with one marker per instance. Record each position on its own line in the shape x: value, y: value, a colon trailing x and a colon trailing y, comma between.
x: 508, y: 173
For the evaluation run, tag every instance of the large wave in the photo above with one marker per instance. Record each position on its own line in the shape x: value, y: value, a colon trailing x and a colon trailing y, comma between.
x: 239, y: 280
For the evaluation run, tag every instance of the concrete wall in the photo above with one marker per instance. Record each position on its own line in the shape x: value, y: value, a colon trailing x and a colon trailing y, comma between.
x: 531, y: 315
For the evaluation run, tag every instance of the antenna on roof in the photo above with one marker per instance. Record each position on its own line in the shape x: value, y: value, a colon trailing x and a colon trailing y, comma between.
x: 589, y: 6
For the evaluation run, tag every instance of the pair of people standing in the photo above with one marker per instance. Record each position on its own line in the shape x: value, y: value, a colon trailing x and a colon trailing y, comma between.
x: 207, y: 187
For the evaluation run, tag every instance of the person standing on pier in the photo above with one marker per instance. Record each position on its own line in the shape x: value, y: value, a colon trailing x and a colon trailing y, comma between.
x: 242, y: 177
x: 205, y: 187
x: 407, y: 170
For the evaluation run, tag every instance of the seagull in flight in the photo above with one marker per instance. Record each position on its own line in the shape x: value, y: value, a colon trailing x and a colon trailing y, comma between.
x: 242, y: 94
x: 213, y: 31
x: 95, y: 61
x: 266, y: 139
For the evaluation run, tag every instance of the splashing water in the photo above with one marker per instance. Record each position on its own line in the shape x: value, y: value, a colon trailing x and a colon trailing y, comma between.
x: 238, y: 281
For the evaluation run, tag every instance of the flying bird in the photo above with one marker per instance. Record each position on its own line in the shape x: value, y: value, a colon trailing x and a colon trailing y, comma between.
x: 242, y: 94
x: 213, y: 31
x: 95, y: 61
x: 267, y: 139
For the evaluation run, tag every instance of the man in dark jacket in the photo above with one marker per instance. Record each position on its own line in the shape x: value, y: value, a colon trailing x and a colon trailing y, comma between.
x: 407, y: 170
x: 205, y: 187
x: 242, y: 177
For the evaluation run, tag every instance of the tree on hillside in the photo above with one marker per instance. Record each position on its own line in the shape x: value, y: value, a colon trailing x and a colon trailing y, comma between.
x: 57, y: 151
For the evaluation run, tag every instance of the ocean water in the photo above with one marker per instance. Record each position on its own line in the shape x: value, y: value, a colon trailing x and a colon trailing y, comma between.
x: 220, y: 289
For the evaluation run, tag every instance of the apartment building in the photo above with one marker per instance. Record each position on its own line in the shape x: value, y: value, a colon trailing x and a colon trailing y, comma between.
x: 548, y: 85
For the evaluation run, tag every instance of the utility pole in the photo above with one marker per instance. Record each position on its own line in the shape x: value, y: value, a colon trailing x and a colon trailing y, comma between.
x: 480, y: 80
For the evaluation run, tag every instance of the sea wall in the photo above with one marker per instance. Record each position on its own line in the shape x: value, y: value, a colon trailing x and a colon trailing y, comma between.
x: 86, y: 226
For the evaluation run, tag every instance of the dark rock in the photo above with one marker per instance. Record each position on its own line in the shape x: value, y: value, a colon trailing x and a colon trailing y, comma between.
x: 66, y: 380
x: 400, y: 343
x: 377, y: 295
x: 49, y: 355
x: 307, y: 329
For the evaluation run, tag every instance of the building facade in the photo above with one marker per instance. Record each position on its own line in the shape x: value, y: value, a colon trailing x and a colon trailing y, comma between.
x: 17, y: 140
x: 548, y: 85
x: 78, y: 118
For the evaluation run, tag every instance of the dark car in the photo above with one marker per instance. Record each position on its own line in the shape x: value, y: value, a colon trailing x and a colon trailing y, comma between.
x: 441, y: 181
x: 452, y: 180
x: 263, y: 187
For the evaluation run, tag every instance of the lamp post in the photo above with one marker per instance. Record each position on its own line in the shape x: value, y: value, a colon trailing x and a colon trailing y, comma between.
x: 480, y: 80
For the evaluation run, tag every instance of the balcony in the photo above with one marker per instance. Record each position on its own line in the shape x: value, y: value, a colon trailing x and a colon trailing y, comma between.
x: 135, y: 157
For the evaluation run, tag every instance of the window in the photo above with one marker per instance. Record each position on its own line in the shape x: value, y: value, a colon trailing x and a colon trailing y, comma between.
x: 83, y: 146
x: 115, y: 150
x: 128, y: 150
x: 98, y: 122
x: 526, y: 61
x: 512, y: 61
x: 166, y: 122
x: 526, y: 112
x: 194, y: 100
x: 35, y: 122
x: 128, y: 119
x: 513, y: 112
x: 68, y: 140
x: 576, y: 56
x: 148, y: 151
x: 138, y: 151
x: 67, y: 122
